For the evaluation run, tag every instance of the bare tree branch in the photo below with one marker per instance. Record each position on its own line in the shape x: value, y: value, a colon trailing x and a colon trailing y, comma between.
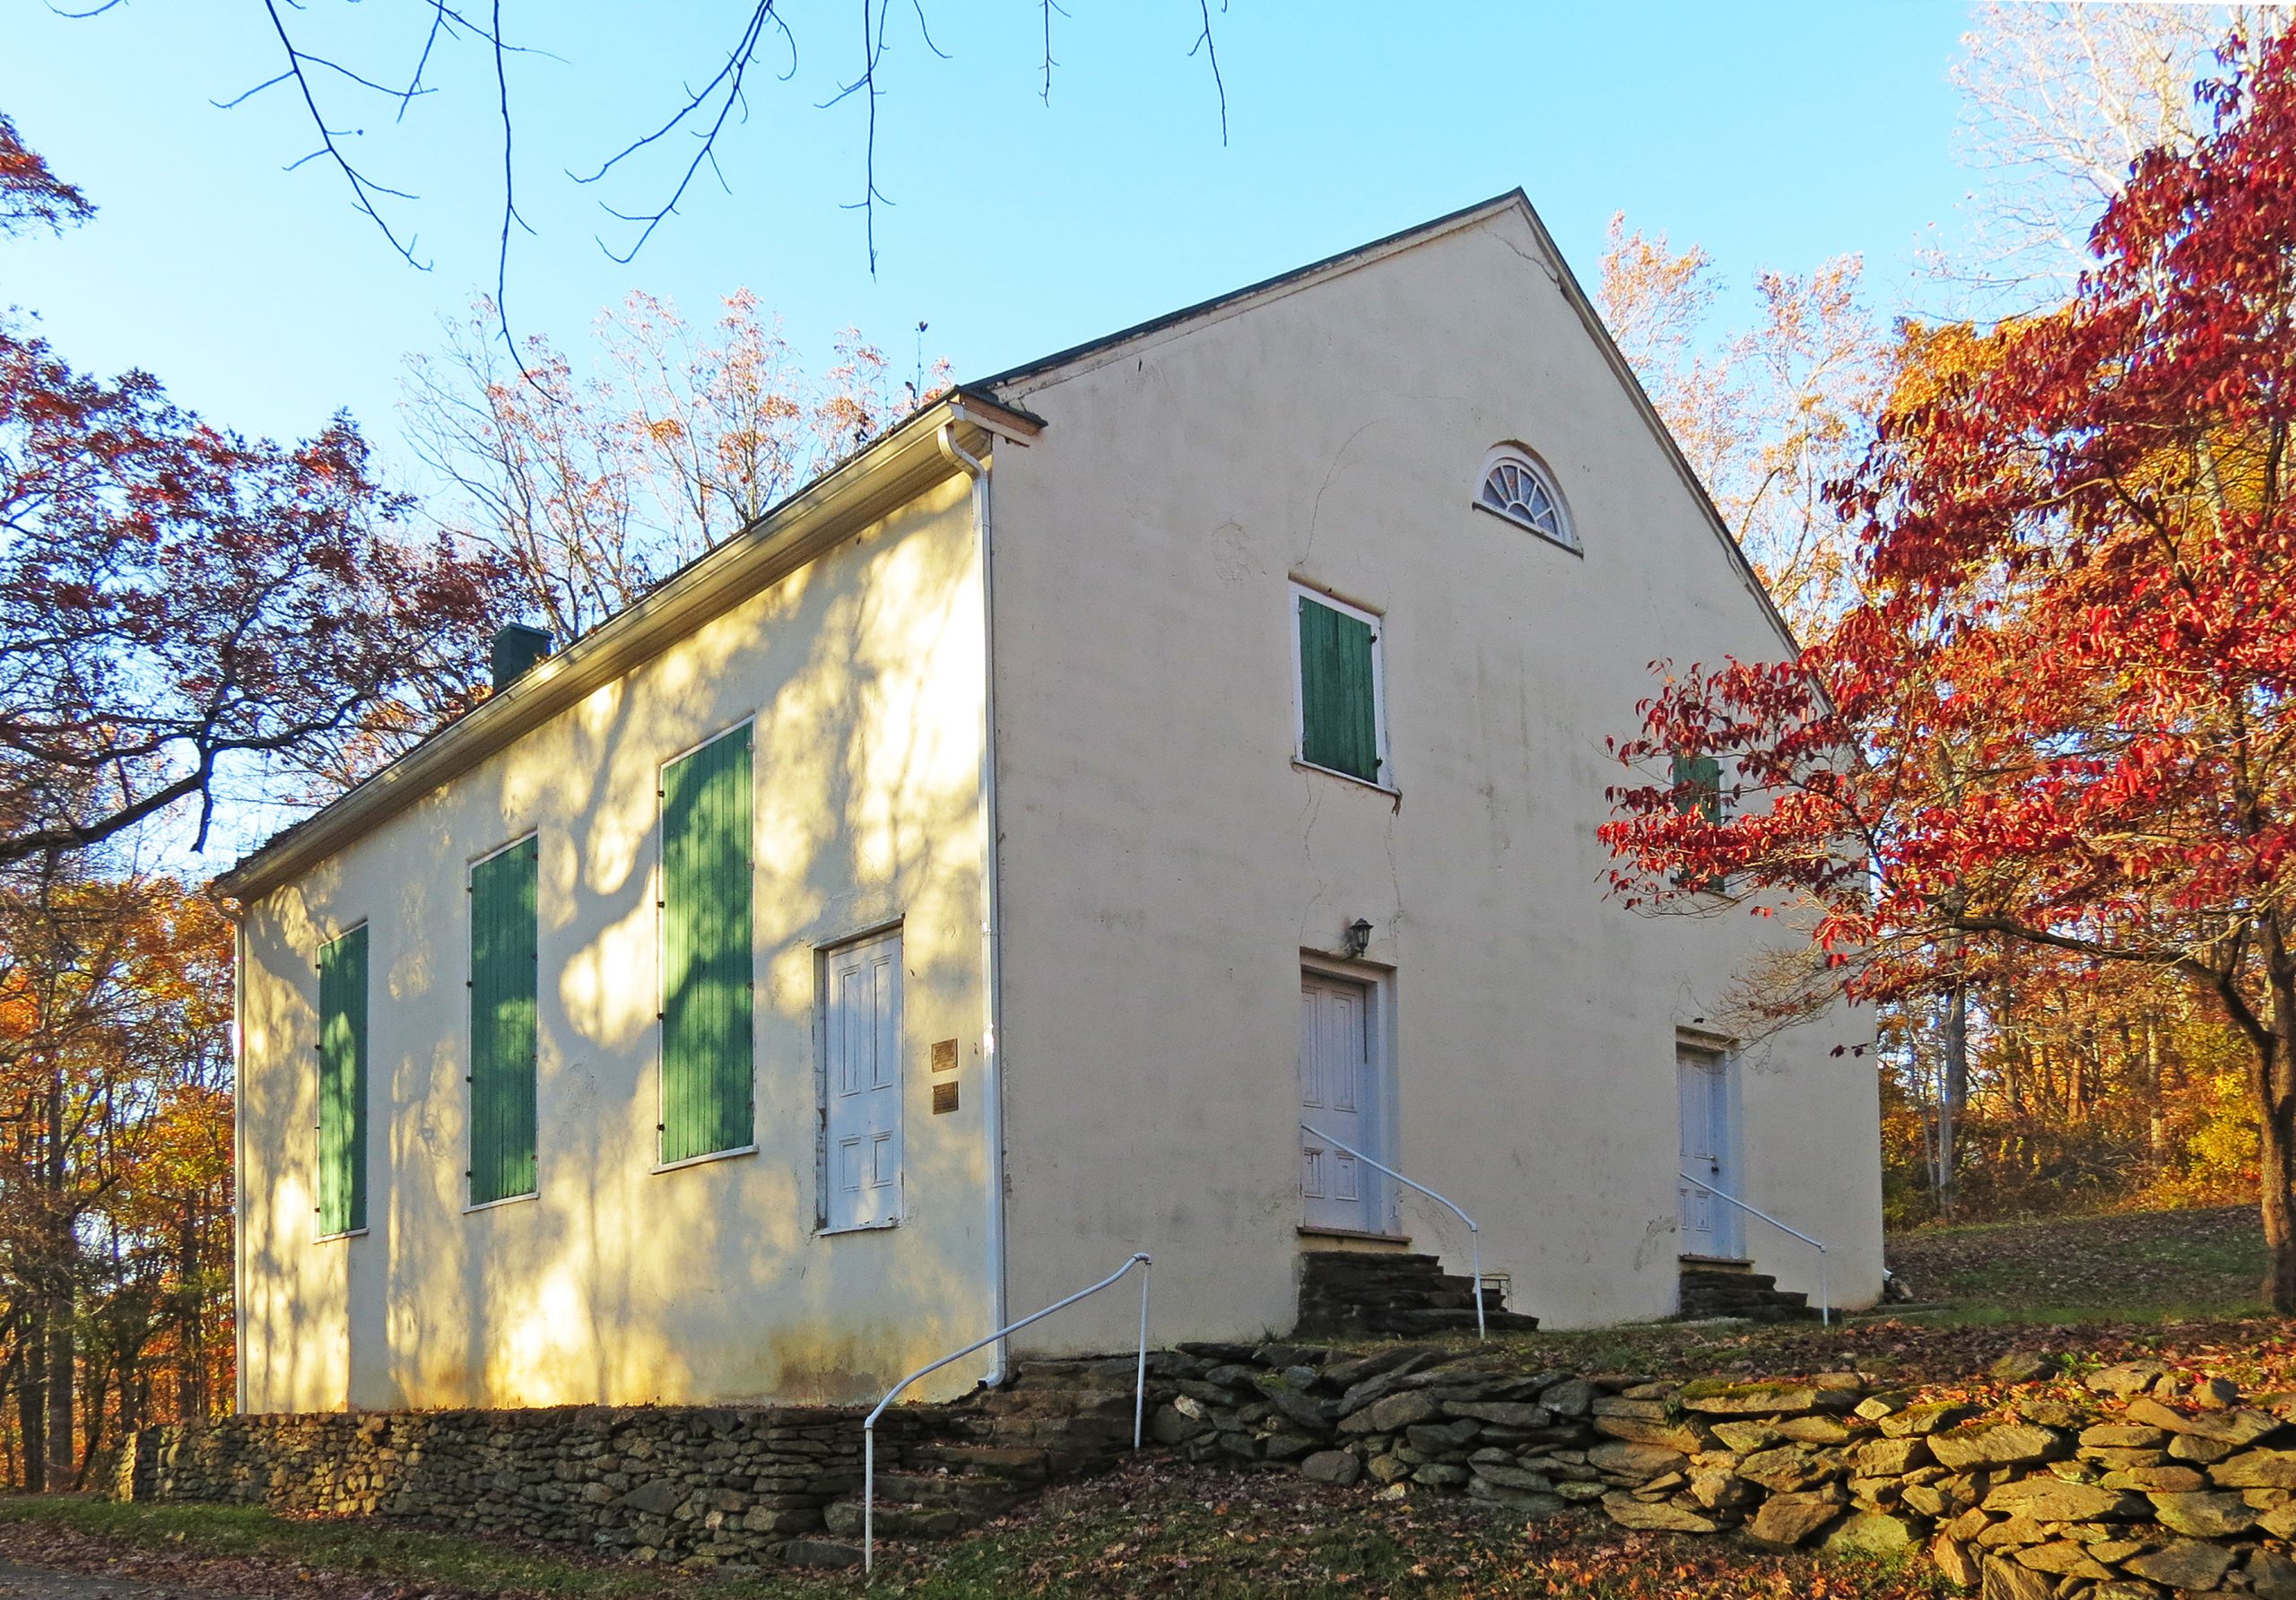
x: 1211, y: 53
x: 727, y: 83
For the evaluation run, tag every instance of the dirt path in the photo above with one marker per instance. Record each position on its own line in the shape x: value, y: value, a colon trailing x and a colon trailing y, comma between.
x: 34, y: 1583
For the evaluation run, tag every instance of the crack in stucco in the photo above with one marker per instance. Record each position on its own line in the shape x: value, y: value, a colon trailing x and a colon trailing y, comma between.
x: 1316, y: 510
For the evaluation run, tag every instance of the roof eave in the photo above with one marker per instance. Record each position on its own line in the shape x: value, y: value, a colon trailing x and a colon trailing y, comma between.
x: 854, y: 492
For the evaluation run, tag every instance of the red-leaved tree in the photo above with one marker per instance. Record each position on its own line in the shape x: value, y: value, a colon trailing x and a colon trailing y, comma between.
x: 176, y: 598
x: 2064, y: 715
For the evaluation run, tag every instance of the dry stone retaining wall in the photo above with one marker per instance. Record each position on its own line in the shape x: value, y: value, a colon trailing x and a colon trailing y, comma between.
x: 2132, y: 1484
x: 685, y: 1483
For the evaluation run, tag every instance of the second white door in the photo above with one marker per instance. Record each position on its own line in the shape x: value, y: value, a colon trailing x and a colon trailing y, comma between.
x: 1709, y: 1228
x: 1336, y: 1190
x: 862, y: 1043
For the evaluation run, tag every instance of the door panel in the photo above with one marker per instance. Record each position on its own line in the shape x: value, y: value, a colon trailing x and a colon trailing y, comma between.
x: 862, y: 1036
x: 1335, y: 1064
x: 1708, y: 1225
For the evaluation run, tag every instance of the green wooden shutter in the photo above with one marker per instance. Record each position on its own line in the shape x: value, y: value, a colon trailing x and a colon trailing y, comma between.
x: 706, y: 1016
x: 1339, y: 716
x: 343, y: 1084
x: 1697, y: 786
x: 503, y: 991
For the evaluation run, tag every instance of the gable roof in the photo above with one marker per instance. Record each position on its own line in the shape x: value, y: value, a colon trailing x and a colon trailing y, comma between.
x: 862, y: 485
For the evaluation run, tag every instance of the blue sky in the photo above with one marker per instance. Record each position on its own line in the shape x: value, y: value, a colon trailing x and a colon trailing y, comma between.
x: 1774, y: 134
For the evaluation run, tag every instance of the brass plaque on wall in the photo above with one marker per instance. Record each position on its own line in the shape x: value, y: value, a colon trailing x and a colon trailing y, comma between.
x: 945, y: 1098
x: 944, y: 1055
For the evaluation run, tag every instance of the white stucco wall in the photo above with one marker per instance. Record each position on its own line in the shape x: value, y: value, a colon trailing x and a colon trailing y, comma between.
x: 620, y: 1284
x: 1165, y: 864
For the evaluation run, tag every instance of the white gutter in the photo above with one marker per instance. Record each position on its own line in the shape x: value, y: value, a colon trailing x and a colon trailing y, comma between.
x: 992, y: 1097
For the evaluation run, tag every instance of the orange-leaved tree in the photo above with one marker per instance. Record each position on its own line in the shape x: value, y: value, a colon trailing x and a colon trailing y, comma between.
x: 2062, y: 713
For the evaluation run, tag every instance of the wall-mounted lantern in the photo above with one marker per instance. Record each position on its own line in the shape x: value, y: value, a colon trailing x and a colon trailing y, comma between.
x: 1359, y: 939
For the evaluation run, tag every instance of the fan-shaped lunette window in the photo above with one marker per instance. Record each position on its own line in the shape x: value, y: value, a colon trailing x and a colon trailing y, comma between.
x: 1518, y: 488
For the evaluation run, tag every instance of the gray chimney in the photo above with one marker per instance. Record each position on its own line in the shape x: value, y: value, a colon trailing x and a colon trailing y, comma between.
x: 517, y: 649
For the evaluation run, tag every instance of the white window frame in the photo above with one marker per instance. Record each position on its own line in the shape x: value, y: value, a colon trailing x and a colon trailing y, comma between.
x: 1386, y: 781
x: 1510, y: 455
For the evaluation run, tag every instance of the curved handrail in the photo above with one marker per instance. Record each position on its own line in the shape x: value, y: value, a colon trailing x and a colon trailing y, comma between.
x: 869, y: 1423
x: 1825, y: 1308
x: 1474, y: 1234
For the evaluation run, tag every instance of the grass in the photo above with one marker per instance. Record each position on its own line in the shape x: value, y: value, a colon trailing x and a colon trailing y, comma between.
x: 2206, y: 1262
x: 2178, y: 1285
x: 1150, y: 1529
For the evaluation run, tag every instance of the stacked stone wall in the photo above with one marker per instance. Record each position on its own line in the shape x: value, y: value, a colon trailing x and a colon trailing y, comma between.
x: 696, y: 1484
x: 2129, y: 1483
x: 2125, y: 1483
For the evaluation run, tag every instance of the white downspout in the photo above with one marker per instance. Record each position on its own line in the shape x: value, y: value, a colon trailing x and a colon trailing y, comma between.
x: 238, y: 1165
x: 992, y: 1095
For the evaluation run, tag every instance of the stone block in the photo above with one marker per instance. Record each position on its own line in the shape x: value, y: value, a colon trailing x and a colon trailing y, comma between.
x: 1748, y: 1399
x: 2186, y: 1564
x: 1997, y: 1444
x: 1871, y: 1532
x: 1892, y: 1457
x: 1339, y: 1468
x: 2053, y: 1499
x: 2256, y: 1469
x: 2206, y: 1515
x: 2005, y: 1579
x: 1787, y: 1520
x: 1663, y: 1517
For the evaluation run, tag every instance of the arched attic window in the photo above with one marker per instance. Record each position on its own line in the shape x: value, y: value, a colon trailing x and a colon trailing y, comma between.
x: 1518, y: 488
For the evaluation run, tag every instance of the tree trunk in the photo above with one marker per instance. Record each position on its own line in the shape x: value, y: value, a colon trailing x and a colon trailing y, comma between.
x: 2274, y: 1091
x: 2276, y: 1171
x: 31, y: 1400
x: 1955, y: 1095
x: 62, y: 1460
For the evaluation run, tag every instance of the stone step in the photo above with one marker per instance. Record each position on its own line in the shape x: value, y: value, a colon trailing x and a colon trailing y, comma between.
x: 1061, y: 1402
x: 1016, y: 1465
x: 1432, y: 1320
x: 1728, y: 1283
x: 1351, y: 1291
x: 956, y: 1491
x: 821, y: 1553
x: 895, y: 1521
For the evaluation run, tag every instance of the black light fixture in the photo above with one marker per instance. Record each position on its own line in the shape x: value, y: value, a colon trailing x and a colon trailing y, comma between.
x: 1359, y: 938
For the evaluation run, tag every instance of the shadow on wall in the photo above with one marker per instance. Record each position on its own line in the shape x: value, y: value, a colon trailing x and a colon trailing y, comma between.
x: 617, y: 1284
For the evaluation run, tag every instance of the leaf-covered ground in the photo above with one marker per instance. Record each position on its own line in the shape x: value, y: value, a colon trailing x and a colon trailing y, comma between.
x: 1151, y: 1528
x: 2173, y: 1286
x: 2158, y: 1261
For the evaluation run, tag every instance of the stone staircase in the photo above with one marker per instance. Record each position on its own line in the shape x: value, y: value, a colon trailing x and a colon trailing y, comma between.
x: 945, y: 1470
x: 1714, y: 1288
x: 1351, y: 1293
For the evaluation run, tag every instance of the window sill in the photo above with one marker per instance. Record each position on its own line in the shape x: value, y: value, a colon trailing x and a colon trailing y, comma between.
x: 697, y: 1161
x: 328, y: 1239
x: 1530, y: 528
x: 1302, y: 765
x: 505, y: 1200
x: 860, y: 1228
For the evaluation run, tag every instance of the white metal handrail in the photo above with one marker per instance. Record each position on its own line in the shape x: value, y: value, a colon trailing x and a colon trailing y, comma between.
x: 1825, y: 1309
x: 869, y: 1424
x: 1474, y: 1234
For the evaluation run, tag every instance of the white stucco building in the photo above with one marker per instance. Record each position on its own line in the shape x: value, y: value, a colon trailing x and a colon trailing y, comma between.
x: 981, y: 866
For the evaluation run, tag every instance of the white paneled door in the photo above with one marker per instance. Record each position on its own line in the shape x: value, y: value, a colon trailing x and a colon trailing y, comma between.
x: 863, y: 1043
x: 1710, y: 1228
x: 1336, y: 1098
